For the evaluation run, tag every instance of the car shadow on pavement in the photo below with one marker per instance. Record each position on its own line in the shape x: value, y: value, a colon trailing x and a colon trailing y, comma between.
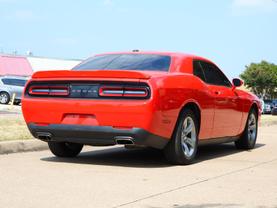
x: 118, y: 156
x: 148, y: 157
x: 210, y: 152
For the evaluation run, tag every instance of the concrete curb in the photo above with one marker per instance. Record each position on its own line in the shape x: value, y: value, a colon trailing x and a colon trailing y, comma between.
x: 22, y: 146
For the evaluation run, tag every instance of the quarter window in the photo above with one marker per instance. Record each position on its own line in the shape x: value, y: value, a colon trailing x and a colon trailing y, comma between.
x: 214, y: 76
x: 198, y: 71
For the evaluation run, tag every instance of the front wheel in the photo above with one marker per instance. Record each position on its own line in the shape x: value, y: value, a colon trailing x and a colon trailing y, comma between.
x: 249, y: 136
x: 65, y: 149
x: 182, y: 147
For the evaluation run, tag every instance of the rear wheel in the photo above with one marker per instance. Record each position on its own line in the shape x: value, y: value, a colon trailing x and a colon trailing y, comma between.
x: 182, y: 147
x: 249, y: 135
x: 65, y: 149
x: 4, y: 98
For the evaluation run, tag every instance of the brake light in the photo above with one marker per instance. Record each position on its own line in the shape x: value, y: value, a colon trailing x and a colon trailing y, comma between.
x: 107, y: 91
x: 111, y: 91
x: 49, y: 90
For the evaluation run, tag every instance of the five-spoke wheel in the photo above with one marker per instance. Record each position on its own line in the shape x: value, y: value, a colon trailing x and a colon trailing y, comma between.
x: 182, y: 147
x: 248, y: 138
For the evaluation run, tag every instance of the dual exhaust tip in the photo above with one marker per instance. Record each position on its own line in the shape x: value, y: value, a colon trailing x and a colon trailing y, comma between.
x: 120, y: 140
x: 124, y: 140
x: 44, y: 136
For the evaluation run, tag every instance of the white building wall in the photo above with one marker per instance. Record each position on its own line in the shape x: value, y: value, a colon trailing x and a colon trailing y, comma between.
x: 39, y: 64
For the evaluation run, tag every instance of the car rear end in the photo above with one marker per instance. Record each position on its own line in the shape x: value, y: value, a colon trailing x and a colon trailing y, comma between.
x: 98, y: 107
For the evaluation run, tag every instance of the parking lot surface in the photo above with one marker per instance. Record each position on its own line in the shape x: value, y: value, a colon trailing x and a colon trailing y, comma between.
x: 115, y: 177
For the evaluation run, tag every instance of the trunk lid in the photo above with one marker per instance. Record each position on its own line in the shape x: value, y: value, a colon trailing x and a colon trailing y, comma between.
x: 118, y: 74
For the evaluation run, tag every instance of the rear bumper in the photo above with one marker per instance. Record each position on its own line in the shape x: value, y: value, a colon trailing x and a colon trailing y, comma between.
x: 96, y: 135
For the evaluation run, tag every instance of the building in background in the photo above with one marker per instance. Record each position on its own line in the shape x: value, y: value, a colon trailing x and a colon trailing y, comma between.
x: 26, y: 65
x: 41, y: 63
x: 15, y: 65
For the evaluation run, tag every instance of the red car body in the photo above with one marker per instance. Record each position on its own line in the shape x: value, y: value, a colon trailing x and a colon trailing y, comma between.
x: 148, y: 116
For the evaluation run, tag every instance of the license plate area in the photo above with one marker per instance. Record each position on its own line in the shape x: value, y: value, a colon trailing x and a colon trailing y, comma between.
x: 84, y: 91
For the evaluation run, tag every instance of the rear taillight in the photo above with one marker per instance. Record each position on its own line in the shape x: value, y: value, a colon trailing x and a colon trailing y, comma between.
x: 49, y: 90
x: 114, y: 91
x: 89, y: 90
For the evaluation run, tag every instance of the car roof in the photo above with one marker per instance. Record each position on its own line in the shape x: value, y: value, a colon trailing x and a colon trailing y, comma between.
x: 163, y: 53
x: 13, y: 77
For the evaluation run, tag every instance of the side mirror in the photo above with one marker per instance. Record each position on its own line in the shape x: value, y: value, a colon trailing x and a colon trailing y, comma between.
x: 237, y: 82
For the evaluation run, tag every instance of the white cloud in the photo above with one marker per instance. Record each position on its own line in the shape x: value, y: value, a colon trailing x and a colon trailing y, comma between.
x: 253, y: 6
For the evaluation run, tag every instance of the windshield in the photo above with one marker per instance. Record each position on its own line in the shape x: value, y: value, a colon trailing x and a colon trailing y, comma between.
x: 149, y: 62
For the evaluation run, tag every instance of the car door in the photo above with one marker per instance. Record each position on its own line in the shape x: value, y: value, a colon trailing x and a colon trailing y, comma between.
x: 228, y: 106
x: 16, y: 87
x: 206, y: 101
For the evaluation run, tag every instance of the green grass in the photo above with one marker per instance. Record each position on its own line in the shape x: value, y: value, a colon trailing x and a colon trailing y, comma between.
x: 13, y: 127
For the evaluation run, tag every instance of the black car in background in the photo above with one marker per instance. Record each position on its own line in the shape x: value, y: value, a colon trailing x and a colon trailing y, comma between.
x: 274, y: 107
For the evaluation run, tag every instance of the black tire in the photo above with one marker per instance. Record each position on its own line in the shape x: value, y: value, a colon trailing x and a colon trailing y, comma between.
x: 7, y: 98
x: 248, y: 138
x: 65, y: 149
x: 174, y: 151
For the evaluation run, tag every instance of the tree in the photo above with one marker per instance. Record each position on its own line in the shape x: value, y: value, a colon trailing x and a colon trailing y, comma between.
x: 261, y: 78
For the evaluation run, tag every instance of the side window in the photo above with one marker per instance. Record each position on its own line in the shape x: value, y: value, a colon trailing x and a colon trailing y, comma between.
x: 198, y: 71
x: 214, y: 76
x: 13, y: 82
x: 17, y: 82
x: 6, y: 81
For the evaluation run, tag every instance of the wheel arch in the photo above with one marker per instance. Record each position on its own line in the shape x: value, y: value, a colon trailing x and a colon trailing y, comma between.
x: 6, y: 91
x: 254, y: 106
x: 194, y: 106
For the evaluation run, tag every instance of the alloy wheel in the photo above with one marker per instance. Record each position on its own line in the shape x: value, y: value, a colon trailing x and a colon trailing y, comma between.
x: 252, y: 128
x: 188, y: 137
x: 3, y: 98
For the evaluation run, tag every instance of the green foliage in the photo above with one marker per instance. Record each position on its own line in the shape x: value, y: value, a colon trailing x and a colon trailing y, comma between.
x: 261, y: 78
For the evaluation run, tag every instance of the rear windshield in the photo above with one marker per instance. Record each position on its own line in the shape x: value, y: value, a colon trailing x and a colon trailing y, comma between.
x: 126, y: 62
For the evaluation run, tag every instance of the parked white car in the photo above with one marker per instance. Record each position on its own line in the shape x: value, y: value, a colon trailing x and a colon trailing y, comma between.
x: 10, y: 85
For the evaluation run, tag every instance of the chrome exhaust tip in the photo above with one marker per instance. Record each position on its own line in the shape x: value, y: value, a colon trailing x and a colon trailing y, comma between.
x: 124, y: 140
x: 44, y: 136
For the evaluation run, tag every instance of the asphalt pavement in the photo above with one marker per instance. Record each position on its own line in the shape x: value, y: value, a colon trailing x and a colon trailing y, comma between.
x: 115, y: 177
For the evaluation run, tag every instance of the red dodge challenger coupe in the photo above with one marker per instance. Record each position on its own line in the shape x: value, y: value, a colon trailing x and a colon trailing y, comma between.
x: 169, y: 101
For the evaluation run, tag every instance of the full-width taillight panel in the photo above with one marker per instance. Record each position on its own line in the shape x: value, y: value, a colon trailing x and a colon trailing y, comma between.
x: 93, y: 90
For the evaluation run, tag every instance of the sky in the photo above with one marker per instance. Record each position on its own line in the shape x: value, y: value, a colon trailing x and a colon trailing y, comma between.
x: 232, y: 33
